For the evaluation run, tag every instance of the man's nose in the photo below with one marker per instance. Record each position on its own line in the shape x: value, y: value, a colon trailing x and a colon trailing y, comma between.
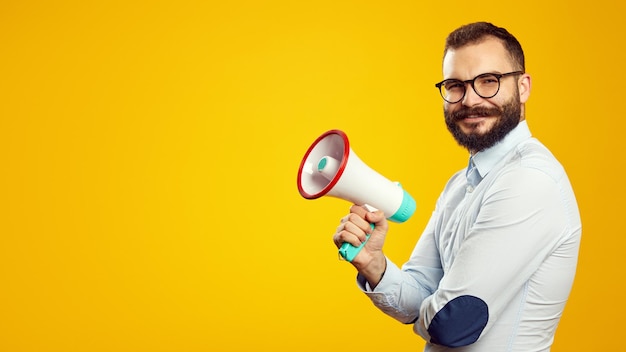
x: 471, y: 98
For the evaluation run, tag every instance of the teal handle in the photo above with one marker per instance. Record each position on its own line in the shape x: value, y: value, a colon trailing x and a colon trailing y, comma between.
x: 347, y: 251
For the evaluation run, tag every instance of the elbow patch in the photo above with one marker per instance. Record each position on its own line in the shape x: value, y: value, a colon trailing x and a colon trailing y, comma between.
x: 460, y: 322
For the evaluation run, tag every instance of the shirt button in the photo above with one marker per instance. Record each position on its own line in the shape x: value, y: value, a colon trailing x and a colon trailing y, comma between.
x: 470, y: 189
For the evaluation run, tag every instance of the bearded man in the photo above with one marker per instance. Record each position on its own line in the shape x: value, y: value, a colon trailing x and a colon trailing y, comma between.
x: 494, y: 266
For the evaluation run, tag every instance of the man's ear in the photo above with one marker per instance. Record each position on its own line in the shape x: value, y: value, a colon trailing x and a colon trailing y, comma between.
x: 524, y: 87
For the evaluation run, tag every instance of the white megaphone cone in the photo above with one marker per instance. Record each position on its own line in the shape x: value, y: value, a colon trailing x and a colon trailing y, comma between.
x: 331, y: 168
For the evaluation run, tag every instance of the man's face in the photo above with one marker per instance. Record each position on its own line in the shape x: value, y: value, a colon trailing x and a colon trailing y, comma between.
x: 478, y: 123
x: 496, y: 121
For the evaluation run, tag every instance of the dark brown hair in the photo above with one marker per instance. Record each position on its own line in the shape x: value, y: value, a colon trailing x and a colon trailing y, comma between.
x: 474, y: 33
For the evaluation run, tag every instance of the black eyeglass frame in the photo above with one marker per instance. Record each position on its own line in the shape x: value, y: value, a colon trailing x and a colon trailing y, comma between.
x: 498, y: 76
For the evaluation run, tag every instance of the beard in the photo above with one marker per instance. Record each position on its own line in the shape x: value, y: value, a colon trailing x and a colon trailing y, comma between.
x: 508, y: 115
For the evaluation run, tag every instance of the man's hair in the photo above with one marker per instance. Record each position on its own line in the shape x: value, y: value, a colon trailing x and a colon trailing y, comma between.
x: 475, y: 33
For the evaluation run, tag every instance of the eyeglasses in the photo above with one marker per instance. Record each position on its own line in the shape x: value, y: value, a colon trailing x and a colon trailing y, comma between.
x: 486, y: 86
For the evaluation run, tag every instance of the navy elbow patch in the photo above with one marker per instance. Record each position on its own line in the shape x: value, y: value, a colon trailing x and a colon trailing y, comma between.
x: 460, y: 322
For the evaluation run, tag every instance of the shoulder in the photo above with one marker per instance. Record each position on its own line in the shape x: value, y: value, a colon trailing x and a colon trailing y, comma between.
x: 530, y: 174
x: 532, y: 157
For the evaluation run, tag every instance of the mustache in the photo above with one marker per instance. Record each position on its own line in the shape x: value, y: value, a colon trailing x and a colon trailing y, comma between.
x: 477, y: 111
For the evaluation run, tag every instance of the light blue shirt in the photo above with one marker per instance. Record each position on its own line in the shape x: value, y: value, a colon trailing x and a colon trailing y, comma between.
x: 494, y: 267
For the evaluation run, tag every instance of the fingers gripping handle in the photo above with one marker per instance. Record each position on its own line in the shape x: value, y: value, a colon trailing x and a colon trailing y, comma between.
x: 347, y: 251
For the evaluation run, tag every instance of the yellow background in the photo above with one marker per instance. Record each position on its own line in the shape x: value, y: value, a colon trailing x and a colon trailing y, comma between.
x: 149, y: 152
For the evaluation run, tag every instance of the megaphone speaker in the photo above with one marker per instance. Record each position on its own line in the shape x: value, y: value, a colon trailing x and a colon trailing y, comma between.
x: 330, y: 168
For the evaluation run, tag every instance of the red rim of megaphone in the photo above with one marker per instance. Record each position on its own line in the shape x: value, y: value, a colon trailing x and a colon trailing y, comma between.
x: 342, y: 165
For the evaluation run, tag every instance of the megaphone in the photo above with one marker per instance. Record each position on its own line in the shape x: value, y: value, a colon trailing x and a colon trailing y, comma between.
x: 330, y: 168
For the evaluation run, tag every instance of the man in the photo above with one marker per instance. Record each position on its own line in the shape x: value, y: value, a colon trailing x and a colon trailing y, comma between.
x: 495, y: 264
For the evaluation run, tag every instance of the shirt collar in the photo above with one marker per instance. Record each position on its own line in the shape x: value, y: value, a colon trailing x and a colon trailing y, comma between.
x: 485, y: 160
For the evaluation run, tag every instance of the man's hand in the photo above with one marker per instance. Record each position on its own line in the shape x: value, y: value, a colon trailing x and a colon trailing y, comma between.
x: 370, y: 261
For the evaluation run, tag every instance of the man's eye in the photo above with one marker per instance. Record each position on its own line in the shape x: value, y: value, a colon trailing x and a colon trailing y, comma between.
x: 488, y: 80
x: 454, y: 85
